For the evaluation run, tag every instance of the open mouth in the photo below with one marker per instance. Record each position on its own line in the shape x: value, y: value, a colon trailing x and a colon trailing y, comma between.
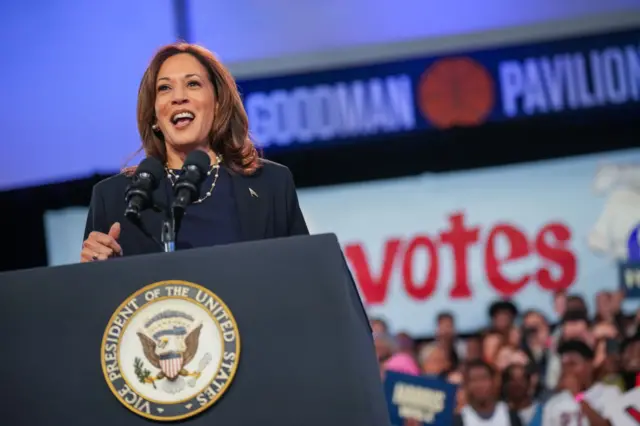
x: 182, y: 119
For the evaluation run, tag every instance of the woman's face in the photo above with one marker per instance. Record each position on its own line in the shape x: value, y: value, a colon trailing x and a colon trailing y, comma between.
x: 436, y: 363
x: 185, y: 102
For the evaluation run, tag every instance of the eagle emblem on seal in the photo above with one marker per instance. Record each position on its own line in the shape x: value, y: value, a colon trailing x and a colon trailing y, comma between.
x: 170, y: 341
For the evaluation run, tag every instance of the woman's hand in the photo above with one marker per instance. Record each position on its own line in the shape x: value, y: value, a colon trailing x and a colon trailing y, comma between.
x: 99, y: 246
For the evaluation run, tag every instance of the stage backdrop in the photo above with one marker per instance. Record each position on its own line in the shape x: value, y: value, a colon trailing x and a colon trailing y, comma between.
x: 71, y: 69
x: 458, y: 241
x: 293, y: 34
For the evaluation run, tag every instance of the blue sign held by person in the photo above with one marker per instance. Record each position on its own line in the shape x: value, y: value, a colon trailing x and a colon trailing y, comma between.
x: 634, y: 244
x: 630, y: 270
x: 419, y: 400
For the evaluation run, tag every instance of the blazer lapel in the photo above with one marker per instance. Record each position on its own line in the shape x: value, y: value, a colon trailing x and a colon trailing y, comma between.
x: 252, y: 207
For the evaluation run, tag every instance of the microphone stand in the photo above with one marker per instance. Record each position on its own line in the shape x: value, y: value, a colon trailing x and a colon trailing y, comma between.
x: 170, y: 228
x: 169, y: 234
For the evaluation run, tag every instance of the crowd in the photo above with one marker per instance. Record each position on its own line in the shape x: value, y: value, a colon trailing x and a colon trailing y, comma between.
x: 523, y: 370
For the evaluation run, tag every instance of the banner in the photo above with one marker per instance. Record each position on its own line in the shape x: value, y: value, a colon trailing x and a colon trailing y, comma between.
x: 463, y: 89
x: 457, y: 242
x: 427, y: 400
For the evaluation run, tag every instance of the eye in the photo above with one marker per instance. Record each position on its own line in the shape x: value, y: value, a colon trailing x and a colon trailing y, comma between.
x: 163, y: 87
x: 194, y: 83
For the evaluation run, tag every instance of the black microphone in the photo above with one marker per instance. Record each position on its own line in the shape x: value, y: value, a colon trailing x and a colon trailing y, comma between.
x: 145, y: 180
x: 187, y: 187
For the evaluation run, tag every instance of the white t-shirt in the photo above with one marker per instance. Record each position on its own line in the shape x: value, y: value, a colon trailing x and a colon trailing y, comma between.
x: 621, y: 417
x: 500, y: 416
x: 563, y: 410
x: 526, y: 414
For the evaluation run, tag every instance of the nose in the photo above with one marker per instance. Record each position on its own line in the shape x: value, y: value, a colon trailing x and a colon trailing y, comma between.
x: 179, y: 96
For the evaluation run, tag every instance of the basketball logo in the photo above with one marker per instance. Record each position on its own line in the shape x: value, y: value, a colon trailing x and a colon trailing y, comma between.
x: 456, y: 92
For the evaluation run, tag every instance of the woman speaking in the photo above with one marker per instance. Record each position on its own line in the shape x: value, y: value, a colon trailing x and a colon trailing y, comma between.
x: 188, y: 100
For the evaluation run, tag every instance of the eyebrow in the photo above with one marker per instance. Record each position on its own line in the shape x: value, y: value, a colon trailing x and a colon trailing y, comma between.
x: 186, y: 76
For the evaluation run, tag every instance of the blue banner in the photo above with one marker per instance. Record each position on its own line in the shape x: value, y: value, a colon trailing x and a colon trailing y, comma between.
x: 463, y: 89
x: 426, y: 400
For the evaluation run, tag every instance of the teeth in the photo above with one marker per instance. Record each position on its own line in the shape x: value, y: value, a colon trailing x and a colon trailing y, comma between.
x: 185, y: 114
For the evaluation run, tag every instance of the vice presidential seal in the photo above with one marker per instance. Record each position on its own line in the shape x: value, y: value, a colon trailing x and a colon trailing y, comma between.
x: 170, y: 350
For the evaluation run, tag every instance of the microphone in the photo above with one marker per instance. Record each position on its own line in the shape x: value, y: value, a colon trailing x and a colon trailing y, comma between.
x: 145, y: 180
x: 187, y: 187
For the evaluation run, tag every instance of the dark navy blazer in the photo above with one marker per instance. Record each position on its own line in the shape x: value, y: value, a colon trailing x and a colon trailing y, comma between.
x: 266, y: 205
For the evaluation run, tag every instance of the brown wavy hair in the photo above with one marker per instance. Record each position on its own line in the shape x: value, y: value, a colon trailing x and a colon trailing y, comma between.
x: 229, y: 135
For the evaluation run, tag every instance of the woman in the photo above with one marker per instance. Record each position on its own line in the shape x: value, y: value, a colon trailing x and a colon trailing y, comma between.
x: 187, y: 100
x: 390, y: 359
x: 435, y: 360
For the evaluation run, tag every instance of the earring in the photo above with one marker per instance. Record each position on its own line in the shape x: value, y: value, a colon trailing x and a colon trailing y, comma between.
x: 154, y: 127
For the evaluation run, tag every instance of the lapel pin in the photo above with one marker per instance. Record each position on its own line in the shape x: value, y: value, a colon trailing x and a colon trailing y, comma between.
x: 253, y: 193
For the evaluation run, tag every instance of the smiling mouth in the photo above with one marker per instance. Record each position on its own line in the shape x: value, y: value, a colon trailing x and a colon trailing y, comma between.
x: 182, y: 119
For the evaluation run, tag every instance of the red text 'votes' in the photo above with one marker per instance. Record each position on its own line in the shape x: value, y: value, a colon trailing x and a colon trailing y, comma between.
x: 551, y: 243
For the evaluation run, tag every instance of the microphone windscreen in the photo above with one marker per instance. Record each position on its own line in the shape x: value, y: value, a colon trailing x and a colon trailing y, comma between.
x: 198, y: 158
x: 153, y: 166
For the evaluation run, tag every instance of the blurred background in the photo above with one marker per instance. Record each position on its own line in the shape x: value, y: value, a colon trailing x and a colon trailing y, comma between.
x: 464, y: 152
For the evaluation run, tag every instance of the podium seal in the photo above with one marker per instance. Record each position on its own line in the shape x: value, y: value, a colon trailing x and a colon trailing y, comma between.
x: 170, y: 351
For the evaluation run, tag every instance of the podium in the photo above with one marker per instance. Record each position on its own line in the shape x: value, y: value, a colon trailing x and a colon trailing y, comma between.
x: 259, y: 333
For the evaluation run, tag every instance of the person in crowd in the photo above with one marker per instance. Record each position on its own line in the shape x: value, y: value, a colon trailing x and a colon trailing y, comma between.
x: 378, y: 325
x: 390, y: 358
x: 630, y: 361
x: 603, y: 307
x: 564, y: 303
x: 607, y: 354
x: 514, y: 338
x: 609, y: 309
x: 605, y: 330
x: 484, y: 408
x: 385, y: 346
x: 406, y: 343
x: 518, y: 394
x: 435, y: 360
x: 508, y: 355
x: 189, y: 101
x: 503, y: 314
x: 575, y: 326
x: 491, y: 344
x: 576, y: 303
x: 607, y: 368
x: 473, y: 347
x: 457, y: 378
x: 634, y: 326
x: 536, y: 339
x: 579, y: 396
x: 572, y: 303
x: 447, y: 337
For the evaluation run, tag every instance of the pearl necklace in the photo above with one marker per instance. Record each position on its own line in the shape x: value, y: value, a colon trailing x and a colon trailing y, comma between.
x: 216, y: 166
